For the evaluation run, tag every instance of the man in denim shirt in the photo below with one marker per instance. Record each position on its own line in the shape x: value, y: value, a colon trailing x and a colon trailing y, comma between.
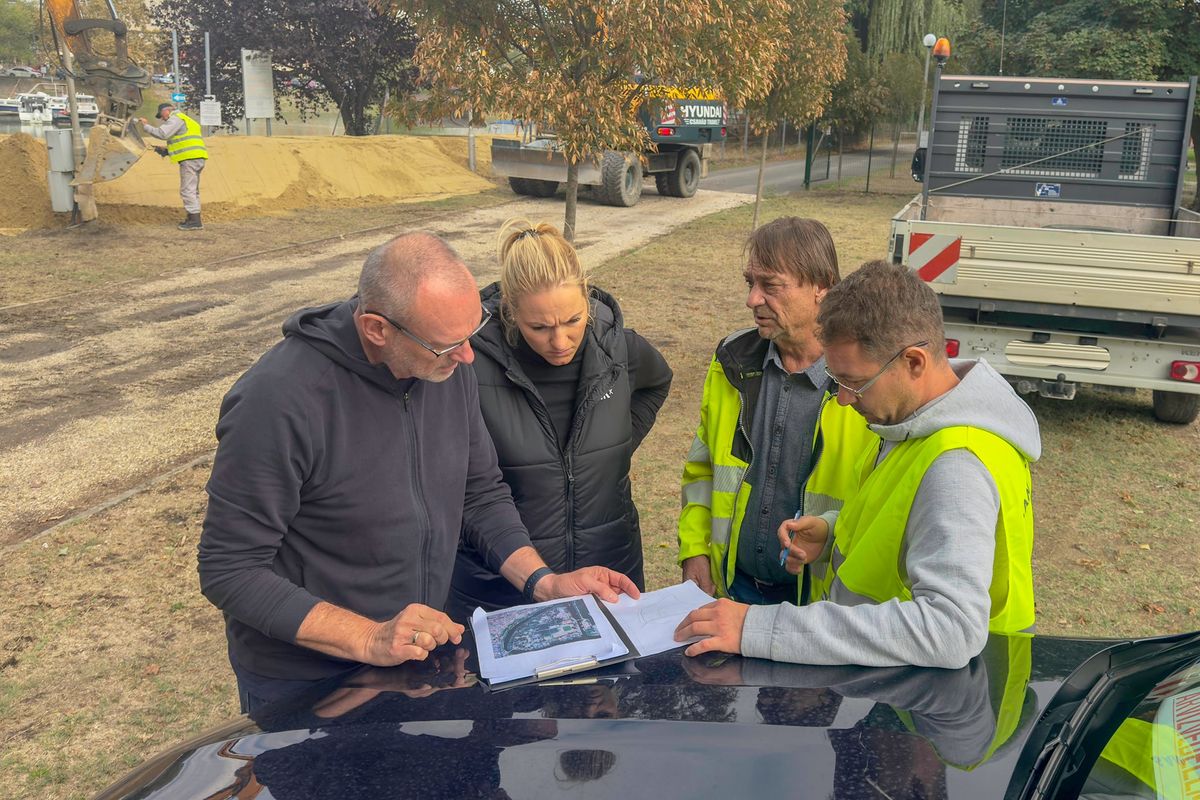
x: 757, y: 443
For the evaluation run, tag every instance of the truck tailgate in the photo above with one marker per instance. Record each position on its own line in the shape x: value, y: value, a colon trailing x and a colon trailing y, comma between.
x: 1158, y: 274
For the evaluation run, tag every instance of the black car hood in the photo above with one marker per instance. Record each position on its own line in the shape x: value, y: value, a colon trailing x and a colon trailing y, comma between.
x: 663, y: 727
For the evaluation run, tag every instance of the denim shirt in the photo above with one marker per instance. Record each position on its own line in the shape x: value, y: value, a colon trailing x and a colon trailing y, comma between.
x: 784, y: 422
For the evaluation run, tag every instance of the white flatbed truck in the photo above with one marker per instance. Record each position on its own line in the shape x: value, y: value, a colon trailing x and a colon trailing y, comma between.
x: 1076, y: 264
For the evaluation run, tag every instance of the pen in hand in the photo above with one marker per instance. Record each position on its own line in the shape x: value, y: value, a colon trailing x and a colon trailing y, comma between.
x: 783, y: 553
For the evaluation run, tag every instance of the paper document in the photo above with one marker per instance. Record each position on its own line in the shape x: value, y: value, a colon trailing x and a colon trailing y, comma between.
x: 651, y: 620
x: 579, y: 633
x: 526, y: 641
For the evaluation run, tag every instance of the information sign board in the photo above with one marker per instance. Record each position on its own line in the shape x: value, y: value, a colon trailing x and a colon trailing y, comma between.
x: 257, y: 85
x: 210, y: 113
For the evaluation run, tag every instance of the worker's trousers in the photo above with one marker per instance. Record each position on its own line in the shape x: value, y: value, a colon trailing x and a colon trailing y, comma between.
x: 189, y: 183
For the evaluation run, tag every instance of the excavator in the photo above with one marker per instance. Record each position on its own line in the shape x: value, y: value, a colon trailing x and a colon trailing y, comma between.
x: 95, y: 57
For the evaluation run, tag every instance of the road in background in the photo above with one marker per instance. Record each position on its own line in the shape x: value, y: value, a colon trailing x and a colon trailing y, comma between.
x: 783, y: 177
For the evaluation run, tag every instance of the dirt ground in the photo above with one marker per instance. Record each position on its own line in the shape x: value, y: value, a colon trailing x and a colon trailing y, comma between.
x: 108, y: 652
x: 115, y: 385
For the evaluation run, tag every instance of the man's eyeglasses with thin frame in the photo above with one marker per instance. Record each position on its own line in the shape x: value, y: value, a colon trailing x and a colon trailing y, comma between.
x: 438, y: 352
x: 861, y: 390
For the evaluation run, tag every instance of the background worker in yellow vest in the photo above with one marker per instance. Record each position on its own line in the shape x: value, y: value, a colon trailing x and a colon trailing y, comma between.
x: 771, y: 441
x: 185, y: 146
x: 934, y: 548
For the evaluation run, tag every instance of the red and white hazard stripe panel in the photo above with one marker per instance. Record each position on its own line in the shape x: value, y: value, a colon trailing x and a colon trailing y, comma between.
x: 934, y: 256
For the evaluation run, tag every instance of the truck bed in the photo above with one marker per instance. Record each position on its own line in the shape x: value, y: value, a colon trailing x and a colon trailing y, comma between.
x: 1063, y: 259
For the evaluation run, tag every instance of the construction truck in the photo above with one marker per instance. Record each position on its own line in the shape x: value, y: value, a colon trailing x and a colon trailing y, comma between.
x: 95, y: 60
x: 683, y: 125
x: 1050, y: 225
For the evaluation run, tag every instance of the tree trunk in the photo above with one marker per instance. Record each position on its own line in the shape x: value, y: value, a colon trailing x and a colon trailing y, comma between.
x: 572, y: 201
x: 762, y: 166
x: 895, y: 147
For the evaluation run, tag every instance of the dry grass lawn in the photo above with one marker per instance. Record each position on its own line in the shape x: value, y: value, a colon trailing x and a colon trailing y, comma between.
x: 109, y: 653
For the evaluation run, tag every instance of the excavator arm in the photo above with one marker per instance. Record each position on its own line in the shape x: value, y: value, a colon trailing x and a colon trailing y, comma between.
x: 115, y: 141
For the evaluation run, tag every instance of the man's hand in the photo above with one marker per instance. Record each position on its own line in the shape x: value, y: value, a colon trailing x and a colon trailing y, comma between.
x: 697, y: 569
x: 162, y: 151
x: 804, y: 539
x: 409, y: 635
x: 143, y: 120
x: 720, y: 622
x: 600, y: 581
x: 433, y: 675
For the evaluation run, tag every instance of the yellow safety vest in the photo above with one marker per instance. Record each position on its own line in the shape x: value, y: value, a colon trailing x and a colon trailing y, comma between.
x: 714, y: 490
x: 188, y: 143
x: 870, y: 529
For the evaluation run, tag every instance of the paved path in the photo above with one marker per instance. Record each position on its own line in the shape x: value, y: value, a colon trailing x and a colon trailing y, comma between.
x: 784, y: 177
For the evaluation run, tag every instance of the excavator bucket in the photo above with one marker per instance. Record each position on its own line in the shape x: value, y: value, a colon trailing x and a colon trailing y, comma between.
x: 108, y: 157
x: 109, y: 74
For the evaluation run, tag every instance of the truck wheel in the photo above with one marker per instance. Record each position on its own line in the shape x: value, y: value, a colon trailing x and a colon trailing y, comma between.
x: 622, y: 176
x: 540, y: 188
x: 682, y: 182
x: 519, y: 185
x: 1180, y: 409
x: 662, y: 182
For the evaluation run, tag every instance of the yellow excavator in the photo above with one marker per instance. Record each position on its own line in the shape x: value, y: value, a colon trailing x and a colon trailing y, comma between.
x: 95, y: 57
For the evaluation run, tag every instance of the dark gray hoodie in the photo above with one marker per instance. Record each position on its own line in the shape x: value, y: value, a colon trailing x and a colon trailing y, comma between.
x: 334, y: 481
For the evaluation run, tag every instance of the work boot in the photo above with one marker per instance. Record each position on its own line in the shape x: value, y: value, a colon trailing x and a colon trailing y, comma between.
x: 192, y: 223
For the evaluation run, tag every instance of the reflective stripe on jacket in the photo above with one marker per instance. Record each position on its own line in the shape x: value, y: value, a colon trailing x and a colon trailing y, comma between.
x: 869, y: 532
x: 188, y: 143
x: 714, y: 489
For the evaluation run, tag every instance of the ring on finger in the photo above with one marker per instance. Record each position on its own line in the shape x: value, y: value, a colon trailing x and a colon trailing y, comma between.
x: 416, y: 633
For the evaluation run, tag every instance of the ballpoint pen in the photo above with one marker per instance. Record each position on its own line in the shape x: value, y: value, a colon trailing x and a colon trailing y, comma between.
x: 783, y: 553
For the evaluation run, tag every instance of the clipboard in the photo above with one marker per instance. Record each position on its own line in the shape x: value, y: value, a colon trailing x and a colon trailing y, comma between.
x: 565, y: 672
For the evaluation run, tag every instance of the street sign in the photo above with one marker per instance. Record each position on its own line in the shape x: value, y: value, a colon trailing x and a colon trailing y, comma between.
x: 210, y: 113
x: 178, y: 97
x: 934, y: 256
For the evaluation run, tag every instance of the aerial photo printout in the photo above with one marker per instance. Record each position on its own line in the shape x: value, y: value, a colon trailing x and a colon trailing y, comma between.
x: 527, y: 629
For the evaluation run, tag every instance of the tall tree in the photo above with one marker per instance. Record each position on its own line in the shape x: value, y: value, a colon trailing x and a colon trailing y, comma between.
x: 18, y: 31
x: 814, y: 60
x: 860, y: 96
x: 352, y: 48
x: 897, y: 26
x: 901, y: 75
x: 567, y: 65
x: 1115, y: 39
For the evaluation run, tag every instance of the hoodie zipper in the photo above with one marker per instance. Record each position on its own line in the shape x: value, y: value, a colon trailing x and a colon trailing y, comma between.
x: 422, y: 513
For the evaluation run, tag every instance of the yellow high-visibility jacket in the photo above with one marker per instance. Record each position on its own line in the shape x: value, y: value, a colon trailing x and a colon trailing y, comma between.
x: 714, y: 489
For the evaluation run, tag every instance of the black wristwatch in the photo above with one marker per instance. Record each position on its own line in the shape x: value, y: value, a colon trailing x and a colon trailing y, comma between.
x: 532, y: 580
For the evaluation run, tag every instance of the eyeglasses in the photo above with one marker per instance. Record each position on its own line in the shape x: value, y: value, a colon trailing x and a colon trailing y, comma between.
x: 861, y: 390
x: 438, y: 352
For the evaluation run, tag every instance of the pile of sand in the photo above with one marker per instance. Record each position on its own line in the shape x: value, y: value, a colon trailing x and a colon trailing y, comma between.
x: 23, y: 185
x: 249, y: 176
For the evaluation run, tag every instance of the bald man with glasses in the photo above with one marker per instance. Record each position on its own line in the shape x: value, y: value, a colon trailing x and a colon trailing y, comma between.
x: 352, y: 458
x: 934, y: 547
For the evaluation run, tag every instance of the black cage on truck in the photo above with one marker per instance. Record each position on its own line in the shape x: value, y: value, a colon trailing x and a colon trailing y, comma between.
x: 1062, y: 140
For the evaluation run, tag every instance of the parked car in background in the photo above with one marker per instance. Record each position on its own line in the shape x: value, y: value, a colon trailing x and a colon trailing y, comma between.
x: 22, y: 72
x: 1030, y: 717
x: 301, y: 83
x: 166, y: 77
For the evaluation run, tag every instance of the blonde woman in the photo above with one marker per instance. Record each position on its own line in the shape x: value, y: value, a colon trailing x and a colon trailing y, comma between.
x: 568, y: 393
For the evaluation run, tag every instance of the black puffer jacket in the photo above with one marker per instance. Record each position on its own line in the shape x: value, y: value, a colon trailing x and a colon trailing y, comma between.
x: 575, y: 501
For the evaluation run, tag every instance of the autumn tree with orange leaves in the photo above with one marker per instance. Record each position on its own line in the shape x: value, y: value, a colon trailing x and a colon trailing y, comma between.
x: 814, y: 59
x: 566, y: 64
